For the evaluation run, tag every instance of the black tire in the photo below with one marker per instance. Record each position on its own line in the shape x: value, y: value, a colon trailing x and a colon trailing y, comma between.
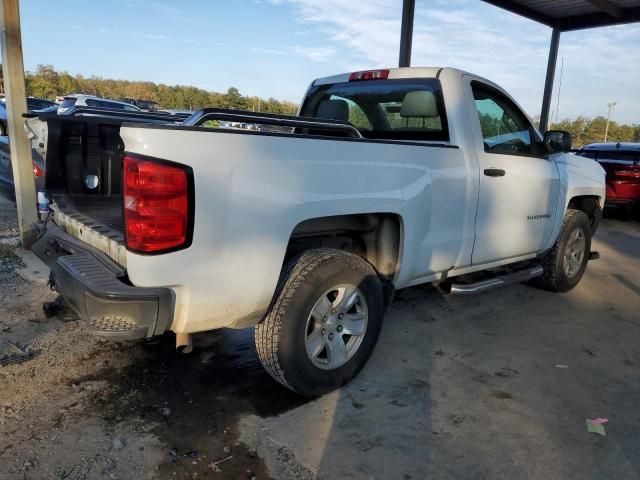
x: 555, y: 278
x: 280, y: 337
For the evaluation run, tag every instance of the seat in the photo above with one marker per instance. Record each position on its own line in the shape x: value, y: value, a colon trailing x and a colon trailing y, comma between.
x: 333, y: 110
x: 419, y: 103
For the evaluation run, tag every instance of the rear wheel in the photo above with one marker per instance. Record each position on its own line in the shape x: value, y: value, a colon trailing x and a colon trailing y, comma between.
x: 324, y: 322
x: 565, y: 264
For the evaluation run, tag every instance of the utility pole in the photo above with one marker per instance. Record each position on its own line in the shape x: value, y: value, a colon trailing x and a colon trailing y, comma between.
x: 606, y: 130
x: 16, y: 102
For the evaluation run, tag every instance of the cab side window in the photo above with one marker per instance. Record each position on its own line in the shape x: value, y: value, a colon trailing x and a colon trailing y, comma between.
x: 505, y: 129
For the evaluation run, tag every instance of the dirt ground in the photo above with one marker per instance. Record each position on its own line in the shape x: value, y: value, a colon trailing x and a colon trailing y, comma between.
x: 500, y: 376
x: 81, y: 408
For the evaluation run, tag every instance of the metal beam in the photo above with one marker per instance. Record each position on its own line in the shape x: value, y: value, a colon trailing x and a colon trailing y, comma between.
x: 607, y: 7
x: 523, y: 11
x: 406, y: 32
x: 16, y: 102
x: 548, y: 84
x: 591, y: 20
x: 609, y: 14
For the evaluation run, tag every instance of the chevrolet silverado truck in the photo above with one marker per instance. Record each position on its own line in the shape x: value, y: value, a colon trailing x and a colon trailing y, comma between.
x: 385, y: 179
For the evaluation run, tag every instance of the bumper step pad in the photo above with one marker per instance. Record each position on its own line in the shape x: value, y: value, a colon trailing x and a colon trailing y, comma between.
x: 96, y: 290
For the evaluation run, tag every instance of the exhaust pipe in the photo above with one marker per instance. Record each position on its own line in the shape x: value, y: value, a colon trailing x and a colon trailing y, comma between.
x: 184, y: 342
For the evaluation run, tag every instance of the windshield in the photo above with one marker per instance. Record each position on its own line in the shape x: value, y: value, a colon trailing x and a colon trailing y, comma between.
x: 405, y: 109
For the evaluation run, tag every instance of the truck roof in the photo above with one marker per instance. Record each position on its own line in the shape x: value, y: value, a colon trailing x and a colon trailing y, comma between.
x: 394, y: 73
x: 627, y: 146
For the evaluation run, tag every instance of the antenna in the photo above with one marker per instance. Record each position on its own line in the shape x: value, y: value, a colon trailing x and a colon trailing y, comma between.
x: 606, y: 131
x: 559, y: 88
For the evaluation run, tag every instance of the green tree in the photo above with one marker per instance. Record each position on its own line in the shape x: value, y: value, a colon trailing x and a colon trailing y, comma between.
x: 46, y: 82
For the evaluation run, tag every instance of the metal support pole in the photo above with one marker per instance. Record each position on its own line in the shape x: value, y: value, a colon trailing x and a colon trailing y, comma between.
x: 16, y: 102
x: 406, y: 32
x: 548, y: 84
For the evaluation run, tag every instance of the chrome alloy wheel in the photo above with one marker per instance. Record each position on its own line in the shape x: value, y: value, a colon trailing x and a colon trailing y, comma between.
x: 574, y: 253
x: 336, y: 326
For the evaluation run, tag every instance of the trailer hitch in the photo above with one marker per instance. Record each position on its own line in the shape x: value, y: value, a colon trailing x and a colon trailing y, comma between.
x: 58, y: 308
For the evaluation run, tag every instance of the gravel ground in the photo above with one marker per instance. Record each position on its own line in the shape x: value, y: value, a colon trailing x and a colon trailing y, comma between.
x: 76, y: 407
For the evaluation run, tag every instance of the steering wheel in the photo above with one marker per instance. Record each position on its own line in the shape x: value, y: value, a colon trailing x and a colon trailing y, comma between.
x: 515, y: 145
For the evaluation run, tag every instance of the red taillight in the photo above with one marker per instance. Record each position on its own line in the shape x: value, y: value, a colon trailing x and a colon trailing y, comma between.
x: 627, y: 173
x: 156, y: 205
x: 369, y: 75
x: 36, y: 171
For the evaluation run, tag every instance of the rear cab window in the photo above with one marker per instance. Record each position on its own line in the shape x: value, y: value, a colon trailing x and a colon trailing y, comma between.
x: 398, y: 109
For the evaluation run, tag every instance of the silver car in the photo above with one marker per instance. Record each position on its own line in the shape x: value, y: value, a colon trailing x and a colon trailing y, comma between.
x: 78, y: 100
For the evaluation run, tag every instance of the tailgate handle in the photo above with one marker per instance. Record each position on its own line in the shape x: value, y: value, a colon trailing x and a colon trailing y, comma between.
x: 494, y: 172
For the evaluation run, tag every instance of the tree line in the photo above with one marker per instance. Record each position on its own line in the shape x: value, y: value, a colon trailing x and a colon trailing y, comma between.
x: 48, y: 83
x: 591, y: 130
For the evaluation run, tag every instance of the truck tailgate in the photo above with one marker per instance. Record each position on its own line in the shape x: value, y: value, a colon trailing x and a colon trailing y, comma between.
x: 95, y: 220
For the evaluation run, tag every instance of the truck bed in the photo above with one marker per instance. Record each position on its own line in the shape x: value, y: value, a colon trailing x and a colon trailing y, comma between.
x: 93, y: 219
x: 103, y: 214
x: 85, y: 147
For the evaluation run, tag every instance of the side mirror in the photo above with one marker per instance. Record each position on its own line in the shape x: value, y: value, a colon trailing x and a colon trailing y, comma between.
x: 557, y: 141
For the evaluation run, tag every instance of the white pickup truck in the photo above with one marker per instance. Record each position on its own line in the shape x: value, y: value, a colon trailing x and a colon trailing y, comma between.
x: 303, y: 230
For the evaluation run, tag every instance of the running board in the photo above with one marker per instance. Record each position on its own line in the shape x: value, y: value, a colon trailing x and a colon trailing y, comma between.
x: 515, y: 277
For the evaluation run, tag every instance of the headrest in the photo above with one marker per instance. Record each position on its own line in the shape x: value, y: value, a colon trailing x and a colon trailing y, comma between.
x: 333, y: 110
x: 420, y: 103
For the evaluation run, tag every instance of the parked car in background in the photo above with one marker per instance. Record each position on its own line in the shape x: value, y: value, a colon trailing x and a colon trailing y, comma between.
x: 33, y: 104
x: 144, y: 105
x: 621, y: 161
x: 6, y: 172
x: 80, y: 100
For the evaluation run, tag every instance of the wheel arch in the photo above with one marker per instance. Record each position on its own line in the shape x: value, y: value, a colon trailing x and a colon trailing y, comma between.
x: 376, y: 237
x: 591, y: 205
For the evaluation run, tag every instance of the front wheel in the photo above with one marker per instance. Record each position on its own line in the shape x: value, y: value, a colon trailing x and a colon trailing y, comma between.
x: 324, y: 322
x: 565, y: 264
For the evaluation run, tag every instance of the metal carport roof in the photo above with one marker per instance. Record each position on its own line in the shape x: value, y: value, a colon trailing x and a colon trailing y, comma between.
x: 566, y: 15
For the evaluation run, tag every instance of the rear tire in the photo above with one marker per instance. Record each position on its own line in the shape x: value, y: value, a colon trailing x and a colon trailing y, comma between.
x: 565, y: 264
x: 324, y: 322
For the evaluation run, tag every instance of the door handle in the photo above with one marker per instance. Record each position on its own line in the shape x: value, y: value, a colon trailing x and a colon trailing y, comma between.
x: 494, y: 172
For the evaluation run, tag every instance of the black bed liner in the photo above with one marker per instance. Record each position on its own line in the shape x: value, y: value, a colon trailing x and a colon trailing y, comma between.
x: 102, y: 214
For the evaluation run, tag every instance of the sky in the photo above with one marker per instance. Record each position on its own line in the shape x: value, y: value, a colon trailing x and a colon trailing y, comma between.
x: 275, y: 48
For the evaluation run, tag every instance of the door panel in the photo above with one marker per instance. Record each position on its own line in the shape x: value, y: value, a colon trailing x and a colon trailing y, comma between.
x: 518, y: 190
